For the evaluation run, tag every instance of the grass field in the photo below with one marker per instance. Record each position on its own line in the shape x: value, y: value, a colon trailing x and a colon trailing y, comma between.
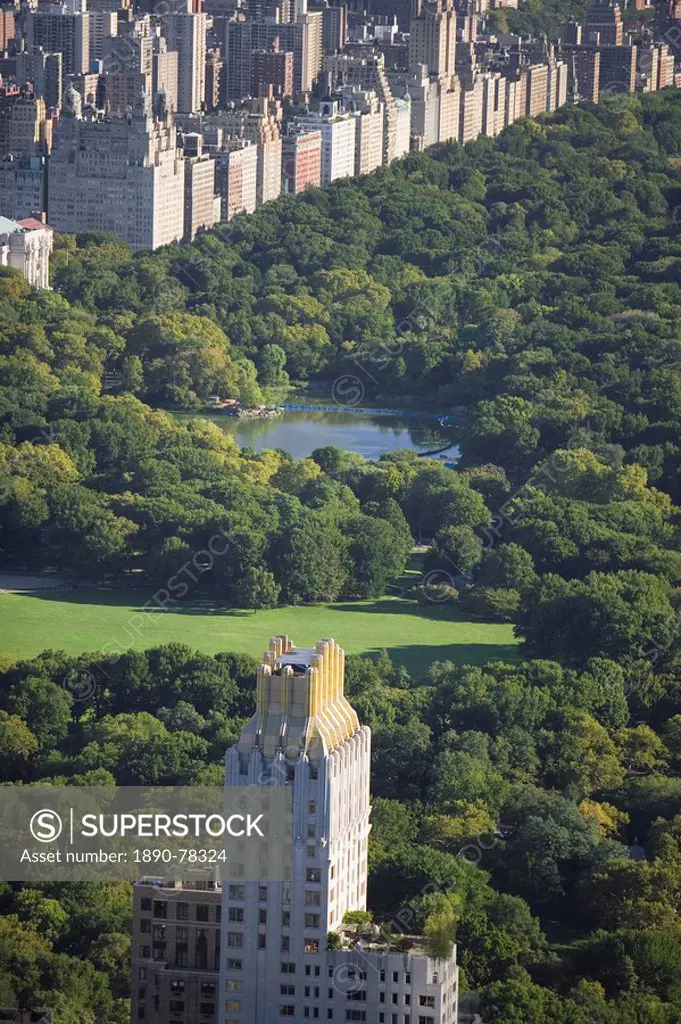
x: 77, y: 621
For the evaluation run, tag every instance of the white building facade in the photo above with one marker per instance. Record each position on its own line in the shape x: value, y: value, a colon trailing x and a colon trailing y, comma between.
x: 275, y: 962
x: 121, y: 174
x: 338, y: 131
x: 26, y: 246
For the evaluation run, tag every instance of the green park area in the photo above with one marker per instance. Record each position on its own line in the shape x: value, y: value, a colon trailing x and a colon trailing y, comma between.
x: 78, y: 621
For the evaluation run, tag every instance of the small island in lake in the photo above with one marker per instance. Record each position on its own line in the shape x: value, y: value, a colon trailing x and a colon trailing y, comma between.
x: 233, y: 407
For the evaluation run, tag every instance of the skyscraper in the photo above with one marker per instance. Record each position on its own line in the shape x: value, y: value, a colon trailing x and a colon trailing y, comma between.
x: 432, y: 37
x: 186, y: 33
x: 120, y: 174
x: 275, y: 961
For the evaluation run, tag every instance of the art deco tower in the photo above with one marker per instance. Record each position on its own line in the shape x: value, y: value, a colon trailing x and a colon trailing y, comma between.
x: 275, y: 960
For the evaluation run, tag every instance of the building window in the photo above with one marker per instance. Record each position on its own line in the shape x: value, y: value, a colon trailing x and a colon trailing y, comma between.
x: 182, y: 912
x: 312, y: 920
x: 313, y: 899
x: 236, y: 892
x: 142, y: 974
x: 236, y: 914
x: 312, y: 807
x: 160, y: 908
x: 207, y: 1009
x: 145, y: 924
x: 310, y: 945
x: 311, y: 851
x: 285, y: 943
x: 311, y: 831
x: 285, y: 918
x: 262, y: 917
x: 427, y: 1001
x: 235, y: 940
x: 145, y: 952
x: 313, y: 875
x: 233, y: 965
x: 287, y: 990
x: 286, y: 1011
x: 262, y: 941
x: 232, y: 1004
x: 287, y: 967
x: 145, y: 903
x: 262, y: 892
x: 202, y: 912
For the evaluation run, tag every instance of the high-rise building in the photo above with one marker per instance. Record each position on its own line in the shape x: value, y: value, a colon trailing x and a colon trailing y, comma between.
x: 604, y: 24
x: 493, y: 104
x: 369, y: 119
x: 334, y: 25
x: 120, y: 174
x: 258, y: 122
x: 6, y: 26
x: 236, y: 176
x: 338, y: 133
x: 275, y: 962
x: 214, y: 66
x: 584, y: 64
x: 199, y: 187
x: 186, y: 34
x: 57, y: 30
x: 164, y: 72
x: 665, y: 67
x: 432, y: 36
x: 301, y: 159
x: 127, y: 65
x: 23, y: 187
x: 24, y: 126
x: 272, y: 71
x: 368, y: 72
x: 175, y: 951
x: 617, y: 69
x: 102, y: 25
x: 237, y: 49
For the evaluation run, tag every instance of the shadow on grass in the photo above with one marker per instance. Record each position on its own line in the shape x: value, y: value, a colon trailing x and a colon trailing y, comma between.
x: 138, y: 601
x: 416, y: 658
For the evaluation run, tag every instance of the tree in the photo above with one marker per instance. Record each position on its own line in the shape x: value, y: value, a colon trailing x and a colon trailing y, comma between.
x: 376, y: 555
x: 272, y: 366
x: 580, y: 753
x: 19, y: 745
x: 612, y: 615
x: 44, y: 707
x: 311, y: 562
x: 457, y: 550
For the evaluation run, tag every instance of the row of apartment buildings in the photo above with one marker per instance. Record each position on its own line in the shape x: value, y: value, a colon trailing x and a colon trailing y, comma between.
x: 132, y: 147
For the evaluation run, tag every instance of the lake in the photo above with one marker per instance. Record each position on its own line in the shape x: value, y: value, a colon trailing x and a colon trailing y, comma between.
x: 299, y: 432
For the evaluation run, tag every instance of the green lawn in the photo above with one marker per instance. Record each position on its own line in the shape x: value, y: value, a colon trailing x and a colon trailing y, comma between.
x: 77, y: 621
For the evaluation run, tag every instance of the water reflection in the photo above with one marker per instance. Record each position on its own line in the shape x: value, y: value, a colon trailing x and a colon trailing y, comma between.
x: 300, y: 432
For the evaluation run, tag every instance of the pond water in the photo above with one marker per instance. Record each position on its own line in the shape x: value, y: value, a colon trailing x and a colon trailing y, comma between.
x: 299, y: 432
